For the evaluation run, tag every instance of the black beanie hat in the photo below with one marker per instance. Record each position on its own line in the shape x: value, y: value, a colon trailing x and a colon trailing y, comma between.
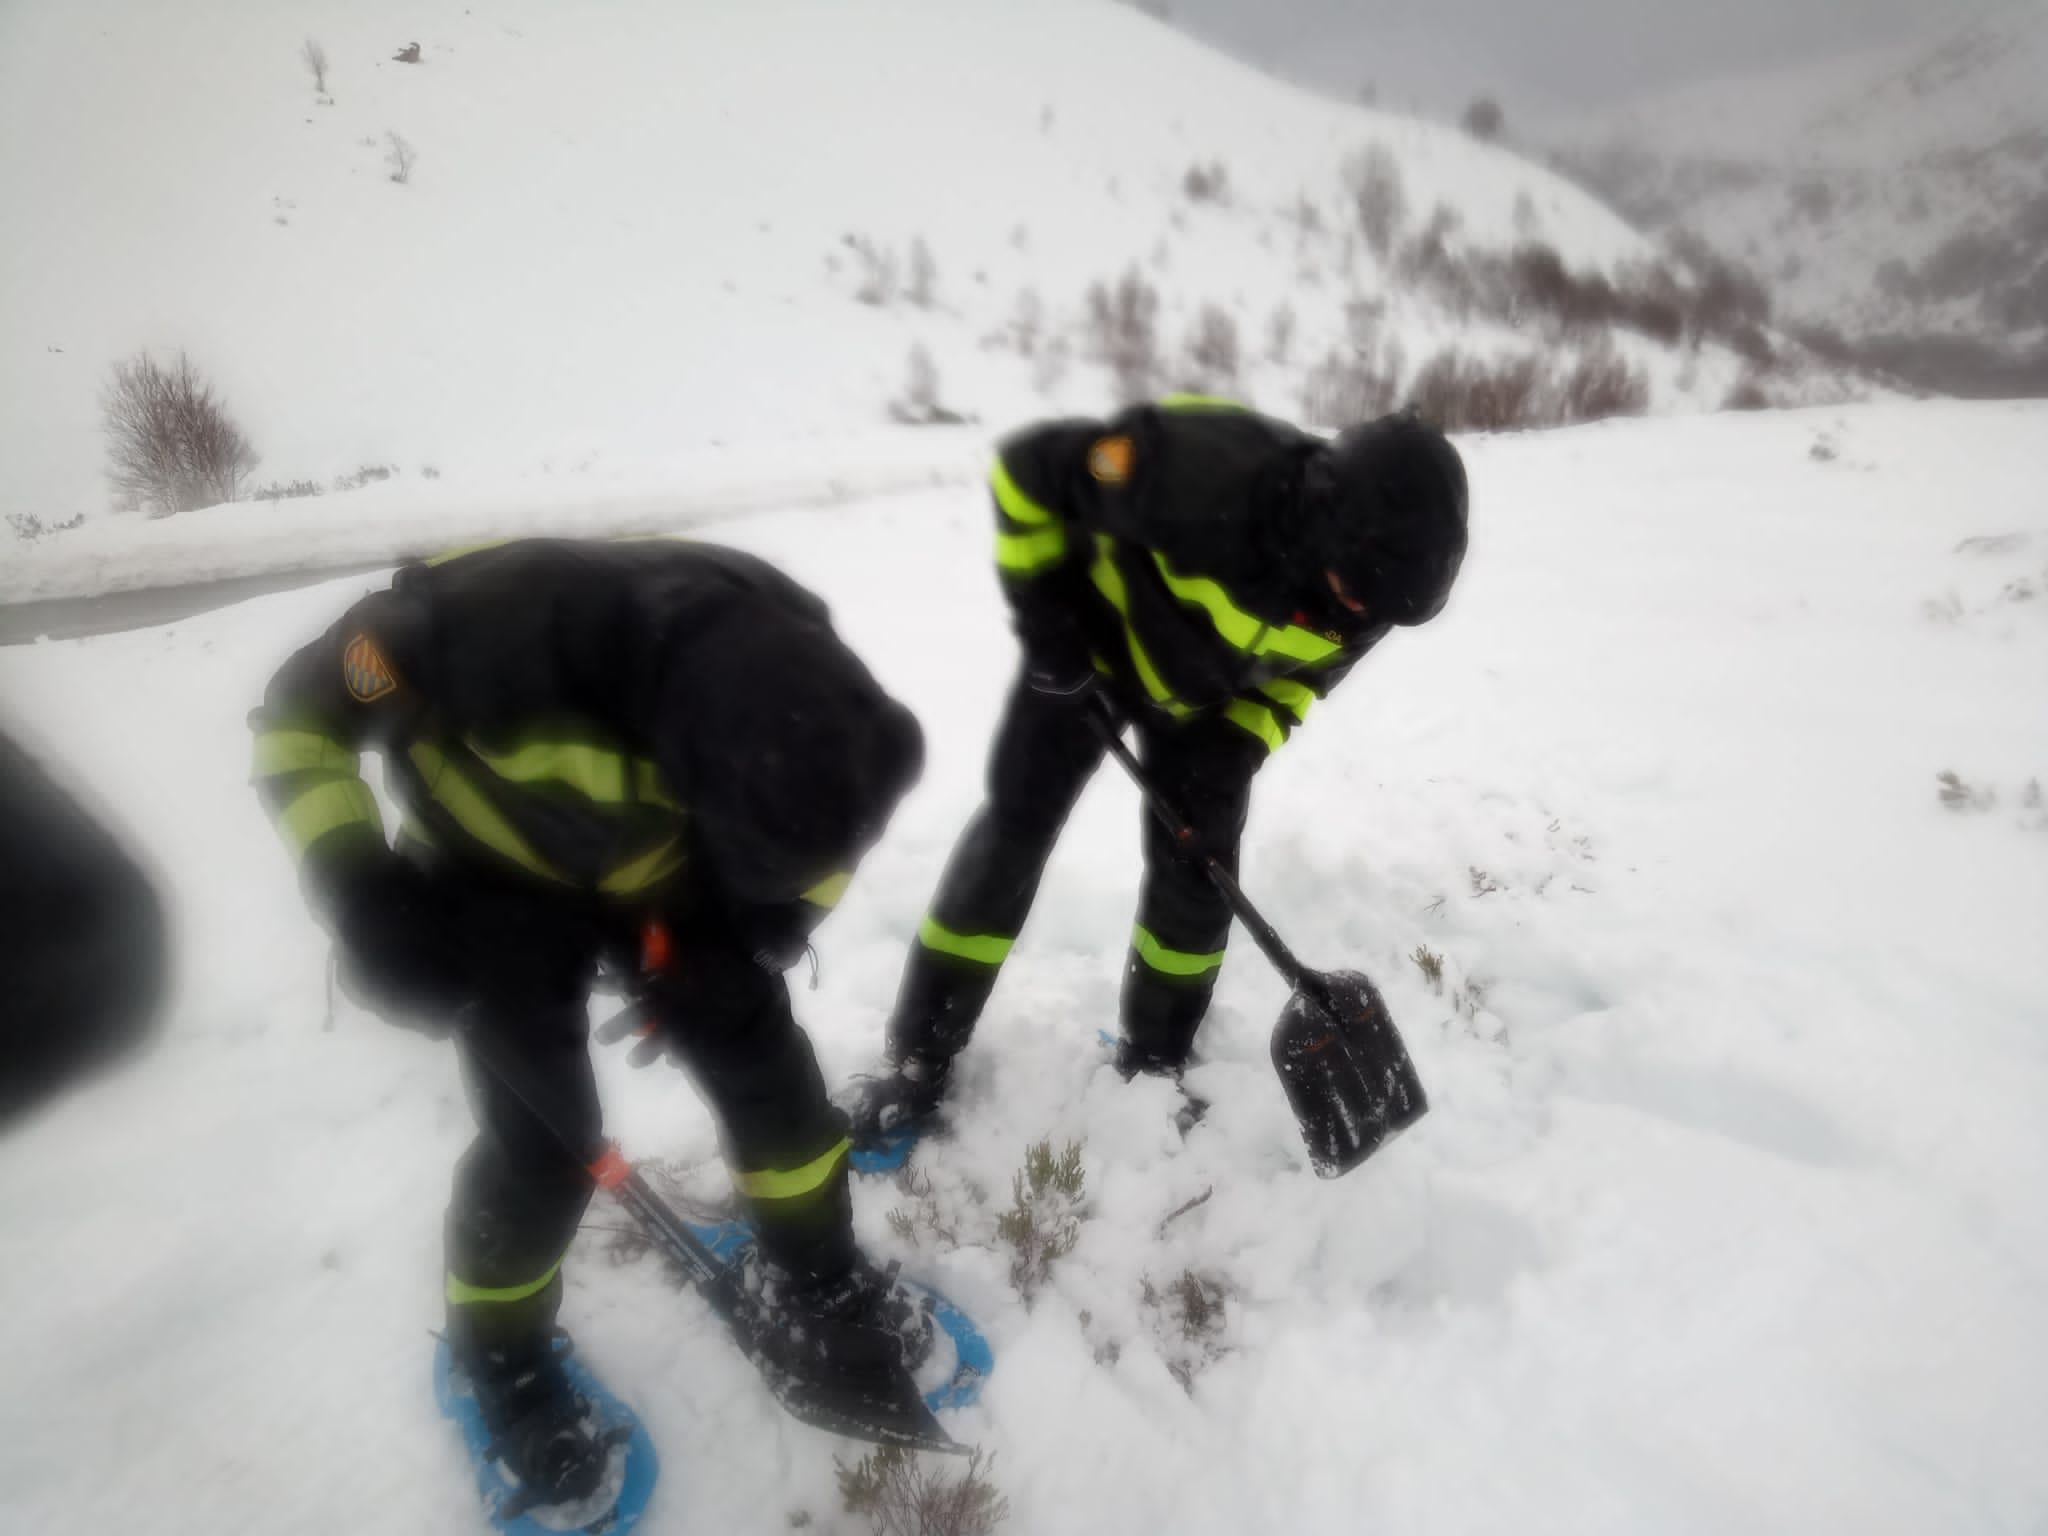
x: 1385, y: 507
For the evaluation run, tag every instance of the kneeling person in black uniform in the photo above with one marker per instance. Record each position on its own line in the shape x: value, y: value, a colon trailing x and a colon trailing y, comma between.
x: 1207, y: 573
x: 650, y: 749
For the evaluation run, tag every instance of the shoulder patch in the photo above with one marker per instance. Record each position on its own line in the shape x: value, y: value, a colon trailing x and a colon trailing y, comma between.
x: 1109, y: 461
x: 367, y: 673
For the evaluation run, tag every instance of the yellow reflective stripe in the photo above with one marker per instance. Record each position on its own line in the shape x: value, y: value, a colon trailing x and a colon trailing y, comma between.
x: 328, y: 808
x: 1257, y: 719
x: 981, y: 948
x: 651, y: 868
x: 1109, y: 581
x: 826, y: 892
x: 462, y: 1294
x: 648, y: 787
x: 1010, y: 496
x: 465, y: 549
x: 792, y: 1183
x: 1199, y: 403
x: 1296, y: 696
x: 1027, y: 552
x: 474, y: 813
x: 1171, y: 962
x: 1241, y: 629
x: 597, y: 773
x: 279, y: 752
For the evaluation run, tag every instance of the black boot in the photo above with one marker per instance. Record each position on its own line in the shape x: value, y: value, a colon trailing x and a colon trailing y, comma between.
x: 904, y: 1095
x: 541, y: 1431
x: 813, y: 1317
x: 1160, y: 1017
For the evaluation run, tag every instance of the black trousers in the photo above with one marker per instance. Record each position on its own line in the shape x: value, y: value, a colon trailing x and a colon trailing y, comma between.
x: 519, y: 1193
x: 1045, y: 751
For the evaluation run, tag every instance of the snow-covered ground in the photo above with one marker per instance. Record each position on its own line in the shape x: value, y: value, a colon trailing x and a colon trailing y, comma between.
x: 648, y: 232
x: 1727, y: 1216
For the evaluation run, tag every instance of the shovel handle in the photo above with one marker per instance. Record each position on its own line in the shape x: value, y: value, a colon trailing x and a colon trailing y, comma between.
x: 1178, y: 827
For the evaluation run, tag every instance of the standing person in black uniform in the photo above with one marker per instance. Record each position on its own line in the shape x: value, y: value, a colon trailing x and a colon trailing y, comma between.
x: 653, y: 749
x: 1206, y: 573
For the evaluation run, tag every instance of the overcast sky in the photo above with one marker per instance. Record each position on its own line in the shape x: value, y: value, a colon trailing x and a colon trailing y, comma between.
x: 1548, y: 56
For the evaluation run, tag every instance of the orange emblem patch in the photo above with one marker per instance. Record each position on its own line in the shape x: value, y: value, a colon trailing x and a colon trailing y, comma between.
x: 364, y: 669
x: 1109, y: 461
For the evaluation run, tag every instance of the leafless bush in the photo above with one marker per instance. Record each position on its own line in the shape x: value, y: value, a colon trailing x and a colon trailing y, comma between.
x: 1188, y: 1317
x: 316, y: 61
x: 367, y: 474
x: 1483, y: 119
x: 285, y: 490
x: 1427, y: 261
x: 399, y: 156
x: 921, y: 285
x: 924, y: 1214
x: 1213, y: 353
x: 1957, y: 795
x: 28, y: 527
x: 1431, y: 964
x: 1049, y: 1202
x: 1280, y: 326
x: 1027, y: 323
x: 1349, y: 386
x: 409, y: 54
x: 919, y: 406
x: 1748, y: 394
x: 891, y: 1490
x: 1373, y: 178
x: 1123, y: 330
x: 171, y: 444
x: 877, y: 285
x: 1599, y: 384
x: 1207, y: 183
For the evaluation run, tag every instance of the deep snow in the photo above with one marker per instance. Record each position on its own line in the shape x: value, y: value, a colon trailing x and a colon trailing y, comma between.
x: 1727, y: 1215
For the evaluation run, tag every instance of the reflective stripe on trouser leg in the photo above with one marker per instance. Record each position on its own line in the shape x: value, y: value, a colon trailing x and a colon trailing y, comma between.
x: 1044, y: 752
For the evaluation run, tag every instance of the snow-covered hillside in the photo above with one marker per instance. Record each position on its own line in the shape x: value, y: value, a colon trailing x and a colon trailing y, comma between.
x: 646, y: 230
x: 1899, y: 192
x: 1727, y: 1216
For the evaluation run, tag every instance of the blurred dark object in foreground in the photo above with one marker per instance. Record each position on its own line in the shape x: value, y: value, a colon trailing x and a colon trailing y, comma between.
x: 83, y: 944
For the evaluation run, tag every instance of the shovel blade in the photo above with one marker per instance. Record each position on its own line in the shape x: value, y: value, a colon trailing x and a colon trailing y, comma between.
x: 1348, y: 1077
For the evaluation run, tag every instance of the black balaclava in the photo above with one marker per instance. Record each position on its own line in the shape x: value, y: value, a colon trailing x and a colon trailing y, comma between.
x: 1384, y: 506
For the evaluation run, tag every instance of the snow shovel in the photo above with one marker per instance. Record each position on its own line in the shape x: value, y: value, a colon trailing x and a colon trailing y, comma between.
x: 1348, y: 1076
x: 872, y: 1398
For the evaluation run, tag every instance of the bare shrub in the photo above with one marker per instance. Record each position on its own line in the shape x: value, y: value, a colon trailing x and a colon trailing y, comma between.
x: 1483, y: 119
x: 1601, y: 383
x: 1747, y: 395
x: 1207, y: 183
x: 1280, y: 327
x: 1431, y: 964
x: 1189, y: 1316
x: 28, y: 527
x: 1027, y: 323
x: 921, y: 284
x: 896, y: 1495
x: 1373, y: 178
x: 1213, y: 352
x: 399, y: 157
x: 409, y: 54
x: 171, y: 444
x: 316, y: 61
x: 1123, y: 331
x: 918, y: 405
x: 924, y: 1214
x: 367, y: 474
x: 1463, y: 394
x: 285, y: 490
x: 1049, y: 1202
x: 1348, y: 386
x: 877, y: 285
x: 1427, y: 261
x: 1958, y: 795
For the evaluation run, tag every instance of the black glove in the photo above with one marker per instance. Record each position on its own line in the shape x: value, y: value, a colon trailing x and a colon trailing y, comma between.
x: 400, y: 947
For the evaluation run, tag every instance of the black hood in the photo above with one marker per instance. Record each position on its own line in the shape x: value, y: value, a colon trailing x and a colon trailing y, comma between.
x: 1384, y: 506
x: 799, y: 761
